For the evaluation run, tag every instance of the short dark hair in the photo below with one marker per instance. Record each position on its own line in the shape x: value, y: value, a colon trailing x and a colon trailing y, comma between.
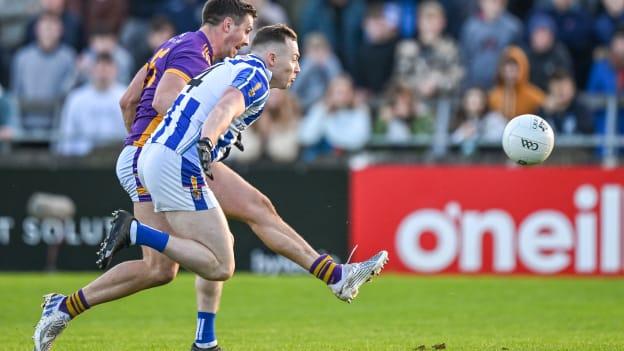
x: 215, y: 11
x: 275, y: 33
x: 102, y: 30
x: 559, y: 75
x: 161, y: 23
x: 104, y: 57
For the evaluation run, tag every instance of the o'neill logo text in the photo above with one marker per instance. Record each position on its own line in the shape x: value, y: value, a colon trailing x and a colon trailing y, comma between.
x: 528, y: 144
x: 546, y: 241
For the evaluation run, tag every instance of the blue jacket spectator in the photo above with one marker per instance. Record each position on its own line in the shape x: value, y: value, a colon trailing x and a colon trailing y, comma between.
x: 6, y: 131
x: 607, y: 77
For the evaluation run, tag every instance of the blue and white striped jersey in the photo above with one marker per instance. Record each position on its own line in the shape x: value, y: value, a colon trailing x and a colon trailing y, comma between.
x: 181, y: 128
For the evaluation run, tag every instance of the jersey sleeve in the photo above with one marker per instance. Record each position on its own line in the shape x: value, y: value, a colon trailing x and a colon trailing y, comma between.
x: 252, y: 83
x: 186, y: 63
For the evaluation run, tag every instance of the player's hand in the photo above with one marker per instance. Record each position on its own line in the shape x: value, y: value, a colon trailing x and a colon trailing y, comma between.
x: 239, y: 142
x: 204, y: 150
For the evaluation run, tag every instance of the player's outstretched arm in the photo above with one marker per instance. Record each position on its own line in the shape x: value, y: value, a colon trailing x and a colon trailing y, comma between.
x: 230, y: 105
x: 131, y: 97
x: 168, y: 89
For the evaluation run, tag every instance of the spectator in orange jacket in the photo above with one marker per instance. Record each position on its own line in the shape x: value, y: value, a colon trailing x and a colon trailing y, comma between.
x: 513, y: 94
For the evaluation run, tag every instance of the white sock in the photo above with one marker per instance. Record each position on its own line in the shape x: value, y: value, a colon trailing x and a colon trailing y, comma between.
x: 133, y: 231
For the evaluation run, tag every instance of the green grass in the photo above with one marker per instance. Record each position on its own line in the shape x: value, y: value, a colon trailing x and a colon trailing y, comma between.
x: 298, y: 313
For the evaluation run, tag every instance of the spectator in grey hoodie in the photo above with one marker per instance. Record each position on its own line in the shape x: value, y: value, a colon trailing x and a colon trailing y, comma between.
x: 42, y: 74
x: 484, y: 36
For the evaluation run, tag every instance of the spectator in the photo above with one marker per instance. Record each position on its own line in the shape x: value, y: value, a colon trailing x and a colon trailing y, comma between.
x: 338, y: 122
x: 91, y: 116
x: 376, y: 52
x: 268, y: 13
x: 6, y: 130
x: 274, y: 135
x: 606, y: 78
x: 574, y: 29
x: 184, y: 14
x: 607, y: 23
x: 160, y: 30
x: 561, y: 108
x: 340, y: 22
x: 520, y: 8
x: 429, y: 65
x: 98, y: 14
x: 319, y: 66
x: 475, y: 123
x: 402, y: 15
x: 514, y: 94
x: 402, y: 116
x: 105, y: 41
x: 457, y: 12
x: 42, y: 74
x: 73, y: 32
x: 484, y: 37
x: 545, y: 53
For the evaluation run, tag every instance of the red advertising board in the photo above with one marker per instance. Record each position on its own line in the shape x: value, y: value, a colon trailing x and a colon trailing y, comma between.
x: 490, y: 220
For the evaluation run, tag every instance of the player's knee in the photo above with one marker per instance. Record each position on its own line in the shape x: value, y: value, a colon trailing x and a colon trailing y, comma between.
x: 223, y: 272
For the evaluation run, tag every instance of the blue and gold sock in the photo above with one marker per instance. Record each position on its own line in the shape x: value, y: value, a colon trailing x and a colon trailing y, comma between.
x: 326, y: 269
x: 74, y: 304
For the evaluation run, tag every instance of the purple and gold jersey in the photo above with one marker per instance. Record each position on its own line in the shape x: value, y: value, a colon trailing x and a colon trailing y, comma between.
x: 185, y: 55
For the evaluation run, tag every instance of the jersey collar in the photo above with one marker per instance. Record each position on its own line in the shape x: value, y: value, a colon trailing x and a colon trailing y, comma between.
x: 261, y: 64
x: 209, y: 46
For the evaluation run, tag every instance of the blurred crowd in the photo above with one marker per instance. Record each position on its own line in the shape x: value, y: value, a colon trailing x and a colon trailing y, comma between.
x: 370, y: 70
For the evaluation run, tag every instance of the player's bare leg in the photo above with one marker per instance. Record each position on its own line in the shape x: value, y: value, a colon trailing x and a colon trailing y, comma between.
x: 208, y: 294
x: 129, y: 277
x: 241, y: 200
x: 204, y: 244
x: 124, y: 279
x: 132, y: 276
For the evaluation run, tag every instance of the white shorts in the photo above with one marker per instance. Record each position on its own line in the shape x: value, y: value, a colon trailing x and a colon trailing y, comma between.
x: 175, y: 183
x: 128, y: 176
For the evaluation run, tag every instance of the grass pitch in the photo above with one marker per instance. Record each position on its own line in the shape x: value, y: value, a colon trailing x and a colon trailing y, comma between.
x: 299, y: 313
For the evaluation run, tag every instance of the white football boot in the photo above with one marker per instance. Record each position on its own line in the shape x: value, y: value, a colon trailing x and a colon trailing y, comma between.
x: 356, y: 274
x: 52, y: 322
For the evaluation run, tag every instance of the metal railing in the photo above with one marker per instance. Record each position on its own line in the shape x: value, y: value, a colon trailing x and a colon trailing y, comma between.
x: 439, y: 142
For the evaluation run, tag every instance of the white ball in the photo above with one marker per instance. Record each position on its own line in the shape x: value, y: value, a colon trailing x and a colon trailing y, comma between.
x: 528, y: 140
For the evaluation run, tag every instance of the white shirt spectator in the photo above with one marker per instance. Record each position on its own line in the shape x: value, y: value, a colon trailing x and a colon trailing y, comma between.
x: 91, y: 118
x: 347, y: 129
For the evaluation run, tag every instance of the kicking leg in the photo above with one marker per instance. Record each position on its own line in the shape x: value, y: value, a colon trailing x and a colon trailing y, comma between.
x: 241, y: 200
